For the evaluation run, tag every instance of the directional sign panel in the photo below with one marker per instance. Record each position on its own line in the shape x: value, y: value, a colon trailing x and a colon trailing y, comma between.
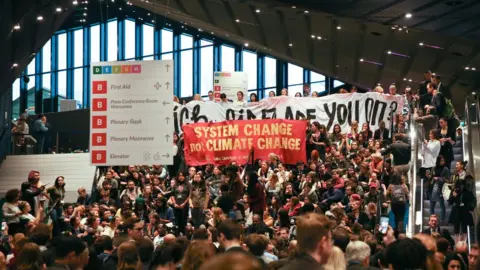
x: 131, y: 113
x: 230, y: 83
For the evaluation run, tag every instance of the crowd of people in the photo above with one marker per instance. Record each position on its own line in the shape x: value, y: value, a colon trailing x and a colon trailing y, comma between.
x: 344, y: 209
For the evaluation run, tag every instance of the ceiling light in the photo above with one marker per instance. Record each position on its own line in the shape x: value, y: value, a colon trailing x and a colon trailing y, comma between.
x: 119, y: 8
x: 319, y: 37
x: 361, y: 59
x: 404, y: 79
x: 421, y: 43
x: 85, y: 14
x: 400, y: 29
x: 306, y: 11
x: 148, y: 14
x: 410, y: 80
x: 246, y: 44
x: 294, y: 7
x: 393, y: 27
x: 339, y: 27
x: 153, y: 21
x: 16, y: 27
x: 40, y: 18
x: 313, y: 36
x: 200, y: 30
x: 257, y: 10
x: 291, y: 45
x: 58, y: 9
x: 212, y: 33
x: 113, y: 1
x: 14, y: 65
x: 389, y: 52
x: 85, y: 8
x: 474, y: 69
x: 237, y: 20
x: 408, y: 15
x: 75, y: 2
x: 467, y: 68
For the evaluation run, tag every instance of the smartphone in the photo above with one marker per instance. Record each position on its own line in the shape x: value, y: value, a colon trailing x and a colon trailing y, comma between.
x: 384, y: 224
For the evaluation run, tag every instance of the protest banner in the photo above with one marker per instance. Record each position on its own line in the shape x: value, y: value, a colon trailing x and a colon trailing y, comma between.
x: 230, y: 141
x: 329, y: 110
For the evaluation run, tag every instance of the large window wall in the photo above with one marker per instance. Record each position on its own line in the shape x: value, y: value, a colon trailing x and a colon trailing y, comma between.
x: 61, y: 70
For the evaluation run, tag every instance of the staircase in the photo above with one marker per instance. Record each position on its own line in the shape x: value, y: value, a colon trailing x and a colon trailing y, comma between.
x: 76, y: 169
x: 458, y: 156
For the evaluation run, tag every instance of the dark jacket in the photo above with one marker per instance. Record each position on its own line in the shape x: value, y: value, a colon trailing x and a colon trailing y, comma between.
x: 443, y: 233
x: 111, y: 262
x: 384, y: 134
x: 438, y: 101
x: 303, y: 261
x: 401, y: 152
x: 257, y: 199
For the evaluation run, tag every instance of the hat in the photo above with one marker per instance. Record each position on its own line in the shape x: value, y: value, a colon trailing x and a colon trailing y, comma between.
x: 372, y: 185
x: 140, y: 200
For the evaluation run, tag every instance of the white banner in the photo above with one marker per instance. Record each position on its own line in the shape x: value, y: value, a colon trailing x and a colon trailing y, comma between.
x: 229, y: 83
x: 131, y: 113
x: 329, y: 110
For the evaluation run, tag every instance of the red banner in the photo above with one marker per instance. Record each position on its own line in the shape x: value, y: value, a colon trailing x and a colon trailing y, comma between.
x: 230, y: 141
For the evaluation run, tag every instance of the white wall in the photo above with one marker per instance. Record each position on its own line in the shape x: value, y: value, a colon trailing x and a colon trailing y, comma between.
x: 75, y: 168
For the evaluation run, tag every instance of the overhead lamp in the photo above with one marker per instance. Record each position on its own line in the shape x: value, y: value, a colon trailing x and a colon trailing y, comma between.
x: 306, y: 12
x: 212, y: 33
x: 148, y: 14
x: 408, y: 15
x: 361, y: 59
x: 291, y: 45
x: 389, y: 52
x: 339, y: 27
x: 119, y: 8
x: 40, y: 18
x: 237, y: 20
x: 58, y: 9
x: 200, y: 30
x: 75, y: 2
x: 85, y: 8
x: 14, y: 65
x: 294, y: 7
x: 16, y: 27
x: 313, y: 36
x: 420, y: 44
x: 319, y: 37
x: 85, y: 14
x: 474, y: 69
x: 246, y: 44
x: 409, y: 80
x: 467, y: 68
x: 153, y: 21
x: 257, y: 10
x: 404, y: 79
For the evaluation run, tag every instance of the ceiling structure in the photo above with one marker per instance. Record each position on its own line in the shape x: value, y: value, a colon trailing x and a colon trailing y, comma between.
x: 367, y: 42
x: 25, y: 26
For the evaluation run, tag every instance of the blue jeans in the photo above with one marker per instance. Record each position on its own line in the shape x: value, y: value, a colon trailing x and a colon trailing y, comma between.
x: 55, y: 215
x: 442, y: 208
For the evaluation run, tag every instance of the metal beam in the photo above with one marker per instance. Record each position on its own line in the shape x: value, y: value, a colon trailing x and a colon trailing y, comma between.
x: 415, y: 10
x: 334, y: 39
x: 380, y: 9
x: 230, y: 13
x: 207, y: 12
x: 442, y: 16
x: 359, y: 51
x: 311, y: 42
x: 386, y: 45
x: 181, y: 6
x: 261, y: 31
x: 284, y: 31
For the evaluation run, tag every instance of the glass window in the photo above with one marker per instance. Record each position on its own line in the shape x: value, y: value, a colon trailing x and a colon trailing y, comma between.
x: 62, y: 84
x: 167, y: 56
x: 129, y: 39
x: 112, y: 41
x: 205, y: 42
x: 186, y: 73
x: 47, y: 56
x: 62, y: 51
x: 270, y: 72
x: 31, y: 67
x: 250, y: 67
x: 337, y: 83
x: 16, y: 89
x: 228, y: 58
x: 148, y: 40
x: 95, y: 43
x: 46, y: 82
x: 167, y: 41
x: 206, y: 70
x: 295, y: 74
x: 78, y: 86
x: 78, y: 46
x: 186, y: 42
x: 318, y: 87
x: 316, y: 77
x: 292, y: 90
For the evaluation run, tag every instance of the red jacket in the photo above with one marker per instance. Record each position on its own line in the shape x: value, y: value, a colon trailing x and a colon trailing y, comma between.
x: 292, y: 212
x: 257, y: 199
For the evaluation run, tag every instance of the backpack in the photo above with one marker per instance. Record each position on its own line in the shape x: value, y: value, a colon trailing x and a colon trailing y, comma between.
x: 449, y: 110
x: 398, y: 194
